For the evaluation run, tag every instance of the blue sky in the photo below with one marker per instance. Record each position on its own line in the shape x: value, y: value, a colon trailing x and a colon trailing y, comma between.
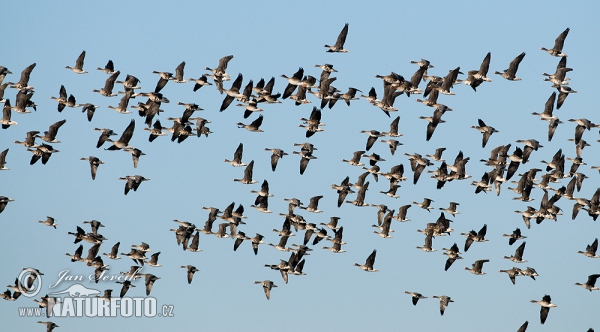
x: 269, y: 39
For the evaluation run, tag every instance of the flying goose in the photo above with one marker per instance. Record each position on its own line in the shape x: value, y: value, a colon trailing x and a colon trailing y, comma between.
x: 94, y: 163
x: 415, y: 296
x: 50, y: 135
x: 453, y: 254
x: 487, y: 131
x: 191, y: 269
x: 368, y: 266
x: 122, y: 107
x: 78, y: 69
x: 107, y: 90
x: 313, y: 204
x: 109, y: 68
x: 95, y: 224
x: 149, y: 282
x: 49, y: 222
x: 154, y: 259
x: 123, y: 141
x: 444, y: 302
x: 512, y: 273
x: 131, y: 82
x: 293, y: 82
x: 247, y: 179
x: 200, y: 82
x: 590, y: 250
x: 3, y: 160
x: 254, y: 126
x: 237, y: 157
x: 133, y: 182
x: 558, y: 45
x: 43, y: 152
x: 276, y: 155
x: 518, y: 256
x: 267, y: 286
x: 473, y: 236
x: 23, y: 83
x: 546, y: 304
x: 511, y: 73
x: 516, y: 235
x: 339, y: 44
x: 49, y: 325
x: 114, y: 252
x: 590, y: 284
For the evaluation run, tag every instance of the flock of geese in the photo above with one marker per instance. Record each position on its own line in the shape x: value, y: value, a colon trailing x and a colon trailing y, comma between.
x: 504, y: 163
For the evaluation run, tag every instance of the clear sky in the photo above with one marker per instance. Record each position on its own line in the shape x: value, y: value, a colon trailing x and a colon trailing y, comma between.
x: 269, y: 39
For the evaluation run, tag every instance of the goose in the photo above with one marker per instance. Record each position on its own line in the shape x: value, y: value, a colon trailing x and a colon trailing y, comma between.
x: 546, y: 304
x: 6, y: 115
x: 559, y: 78
x: 518, y: 256
x: 23, y: 83
x: 451, y: 209
x: 590, y: 250
x: 3, y: 160
x: 360, y: 196
x: 264, y: 190
x: 104, y: 136
x: 481, y: 74
x: 473, y: 236
x: 276, y: 155
x: 133, y: 273
x: 3, y: 72
x: 372, y: 97
x: 133, y: 182
x: 294, y: 81
x: 254, y: 126
x: 332, y: 224
x: 122, y: 107
x: 305, y: 158
x: 43, y: 152
x: 384, y: 227
x: 482, y: 185
x: 558, y: 45
x: 395, y: 175
x: 193, y: 247
x: 368, y: 266
x: 126, y: 284
x: 511, y: 73
x: 281, y: 246
x: 417, y: 164
x: 267, y: 286
x: 402, y: 211
x: 327, y: 67
x: 220, y: 70
x: 49, y: 325
x: 512, y: 273
x: 154, y: 259
x: 355, y: 161
x: 109, y: 68
x: 107, y: 90
x: 200, y: 82
x: 563, y: 92
x: 427, y: 247
x: 590, y: 284
x: 392, y: 191
x: 135, y: 155
x: 426, y: 204
x: 247, y: 179
x: 94, y: 163
x: 89, y: 109
x: 78, y: 69
x: 76, y: 256
x: 131, y: 82
x: 453, y: 254
x: 114, y: 252
x: 95, y: 224
x: 415, y: 296
x: 50, y: 135
x: 444, y: 302
x: 486, y: 130
x: 149, y: 282
x: 190, y: 269
x: 335, y: 248
x: 261, y: 203
x: 237, y: 157
x: 138, y: 256
x: 339, y: 44
x: 516, y: 235
x: 313, y: 204
x: 232, y: 93
x: 529, y: 272
x: 4, y: 201
x: 256, y: 241
x: 123, y: 141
